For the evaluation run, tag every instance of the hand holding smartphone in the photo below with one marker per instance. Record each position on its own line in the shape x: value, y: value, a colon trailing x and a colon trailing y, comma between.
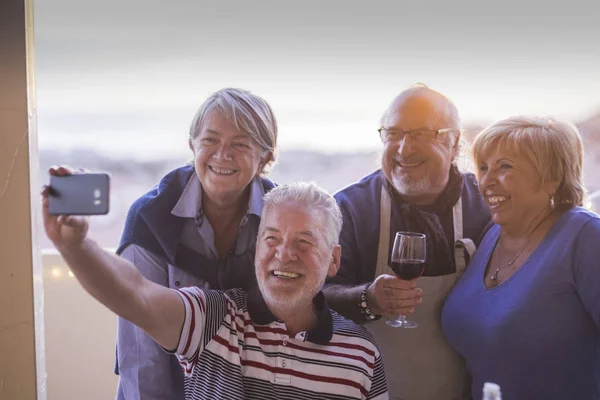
x: 79, y: 194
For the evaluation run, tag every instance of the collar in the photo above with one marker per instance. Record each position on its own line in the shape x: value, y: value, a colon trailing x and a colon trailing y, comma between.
x: 190, y: 200
x: 321, y: 333
x: 255, y: 201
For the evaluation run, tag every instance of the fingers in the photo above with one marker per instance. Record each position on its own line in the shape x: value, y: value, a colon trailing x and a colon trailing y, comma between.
x: 392, y: 296
x: 401, y: 294
x: 393, y: 282
x: 46, y: 203
x: 72, y: 221
x: 391, y: 286
x: 63, y: 170
x: 395, y: 305
x: 404, y: 307
x: 45, y: 194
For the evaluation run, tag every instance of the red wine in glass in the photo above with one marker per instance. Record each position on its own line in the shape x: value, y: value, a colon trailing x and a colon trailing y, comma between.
x: 408, y: 261
x: 408, y: 269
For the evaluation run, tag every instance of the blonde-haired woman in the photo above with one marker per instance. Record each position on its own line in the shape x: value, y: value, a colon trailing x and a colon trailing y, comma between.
x: 526, y: 313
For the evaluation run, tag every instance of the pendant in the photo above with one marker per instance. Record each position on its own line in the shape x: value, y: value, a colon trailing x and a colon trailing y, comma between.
x: 494, y: 276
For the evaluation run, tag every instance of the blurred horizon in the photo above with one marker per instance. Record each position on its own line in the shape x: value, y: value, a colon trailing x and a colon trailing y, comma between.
x: 118, y: 82
x: 116, y: 76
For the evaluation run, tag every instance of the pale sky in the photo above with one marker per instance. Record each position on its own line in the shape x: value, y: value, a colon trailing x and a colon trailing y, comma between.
x: 116, y: 74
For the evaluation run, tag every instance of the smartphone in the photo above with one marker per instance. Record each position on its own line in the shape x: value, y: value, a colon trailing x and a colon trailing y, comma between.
x: 79, y: 194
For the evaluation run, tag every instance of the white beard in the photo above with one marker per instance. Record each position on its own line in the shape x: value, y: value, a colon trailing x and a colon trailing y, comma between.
x: 288, y: 303
x: 406, y: 186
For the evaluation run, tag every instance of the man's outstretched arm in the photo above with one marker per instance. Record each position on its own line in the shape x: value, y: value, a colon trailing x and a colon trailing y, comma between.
x: 113, y: 281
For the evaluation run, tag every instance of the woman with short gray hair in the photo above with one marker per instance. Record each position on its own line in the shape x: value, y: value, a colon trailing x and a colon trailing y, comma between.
x: 198, y: 226
x: 526, y: 313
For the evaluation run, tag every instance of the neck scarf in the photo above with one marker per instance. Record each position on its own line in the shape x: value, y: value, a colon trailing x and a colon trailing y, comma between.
x: 425, y: 219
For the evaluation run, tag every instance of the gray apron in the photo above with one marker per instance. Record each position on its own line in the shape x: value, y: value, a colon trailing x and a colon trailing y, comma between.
x: 419, y: 363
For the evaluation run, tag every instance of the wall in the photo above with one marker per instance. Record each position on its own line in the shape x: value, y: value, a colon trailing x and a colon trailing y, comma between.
x: 22, y: 370
x: 80, y: 337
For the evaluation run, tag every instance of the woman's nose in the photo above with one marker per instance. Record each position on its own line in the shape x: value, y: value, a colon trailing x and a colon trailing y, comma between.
x: 224, y: 152
x: 486, y: 180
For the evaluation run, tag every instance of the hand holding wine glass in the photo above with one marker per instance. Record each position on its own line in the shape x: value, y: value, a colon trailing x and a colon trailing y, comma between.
x: 408, y: 261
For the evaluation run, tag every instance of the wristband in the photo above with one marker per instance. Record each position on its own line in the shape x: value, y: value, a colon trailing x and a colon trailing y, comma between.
x: 365, y: 311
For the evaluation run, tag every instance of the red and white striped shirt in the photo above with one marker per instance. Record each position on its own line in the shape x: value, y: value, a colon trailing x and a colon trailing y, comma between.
x: 232, y: 347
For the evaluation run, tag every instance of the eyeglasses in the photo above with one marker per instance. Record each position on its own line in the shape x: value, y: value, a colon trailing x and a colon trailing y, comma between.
x: 417, y: 135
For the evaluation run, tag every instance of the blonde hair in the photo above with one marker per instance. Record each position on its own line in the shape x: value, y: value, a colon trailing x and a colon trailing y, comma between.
x: 554, y: 147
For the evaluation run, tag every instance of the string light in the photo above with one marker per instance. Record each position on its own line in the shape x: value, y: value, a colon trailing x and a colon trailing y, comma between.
x: 56, y: 272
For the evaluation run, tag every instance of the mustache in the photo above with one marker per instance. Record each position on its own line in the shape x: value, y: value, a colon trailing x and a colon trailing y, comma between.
x: 410, y: 159
x: 292, y: 266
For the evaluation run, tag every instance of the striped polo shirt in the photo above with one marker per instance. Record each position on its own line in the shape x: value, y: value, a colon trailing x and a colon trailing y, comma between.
x: 232, y: 347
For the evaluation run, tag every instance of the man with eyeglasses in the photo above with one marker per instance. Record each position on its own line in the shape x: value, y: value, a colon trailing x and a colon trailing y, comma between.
x: 418, y: 189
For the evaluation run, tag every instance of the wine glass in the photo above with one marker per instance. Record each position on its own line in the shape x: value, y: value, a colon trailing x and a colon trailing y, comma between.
x: 408, y: 261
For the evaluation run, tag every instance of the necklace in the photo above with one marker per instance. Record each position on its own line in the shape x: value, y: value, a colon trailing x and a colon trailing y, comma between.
x: 494, y: 276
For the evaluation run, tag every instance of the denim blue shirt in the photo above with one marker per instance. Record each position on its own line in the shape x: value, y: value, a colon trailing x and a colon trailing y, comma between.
x: 146, y: 371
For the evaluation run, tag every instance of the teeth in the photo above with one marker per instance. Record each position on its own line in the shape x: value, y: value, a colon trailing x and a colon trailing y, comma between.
x: 408, y: 165
x: 497, y: 199
x: 292, y: 275
x: 222, y: 171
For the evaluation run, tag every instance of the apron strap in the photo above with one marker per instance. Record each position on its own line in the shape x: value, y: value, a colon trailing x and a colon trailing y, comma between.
x: 461, y: 244
x: 385, y: 215
x: 402, y: 351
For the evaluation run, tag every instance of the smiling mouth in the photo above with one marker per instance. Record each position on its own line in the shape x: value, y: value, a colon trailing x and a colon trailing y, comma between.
x: 222, y: 171
x: 496, y: 201
x: 285, y: 274
x: 408, y: 164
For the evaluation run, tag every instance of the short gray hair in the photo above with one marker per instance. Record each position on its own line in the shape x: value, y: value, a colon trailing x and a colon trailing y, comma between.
x: 312, y: 197
x: 248, y: 112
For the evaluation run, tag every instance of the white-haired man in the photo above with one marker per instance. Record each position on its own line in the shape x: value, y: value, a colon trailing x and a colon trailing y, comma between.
x: 278, y: 340
x: 417, y: 189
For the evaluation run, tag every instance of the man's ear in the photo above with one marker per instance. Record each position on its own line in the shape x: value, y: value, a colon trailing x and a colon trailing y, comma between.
x: 456, y: 144
x: 336, y: 258
x: 190, y: 144
x: 457, y: 138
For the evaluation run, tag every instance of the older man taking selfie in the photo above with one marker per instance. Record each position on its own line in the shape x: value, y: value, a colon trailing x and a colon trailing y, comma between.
x: 276, y: 341
x: 418, y: 189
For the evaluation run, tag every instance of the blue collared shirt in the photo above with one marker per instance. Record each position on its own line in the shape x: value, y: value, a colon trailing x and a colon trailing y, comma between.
x: 146, y: 371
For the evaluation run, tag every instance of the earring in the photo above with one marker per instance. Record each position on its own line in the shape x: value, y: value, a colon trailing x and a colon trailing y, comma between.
x: 552, y: 201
